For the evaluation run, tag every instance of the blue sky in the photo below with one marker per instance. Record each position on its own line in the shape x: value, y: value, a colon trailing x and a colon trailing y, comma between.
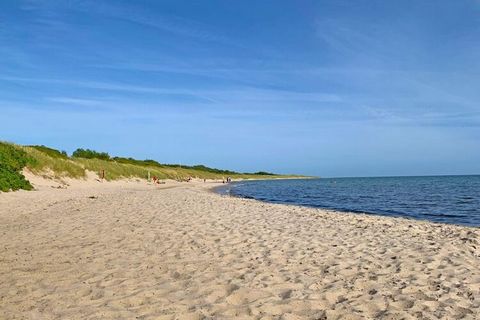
x: 327, y: 88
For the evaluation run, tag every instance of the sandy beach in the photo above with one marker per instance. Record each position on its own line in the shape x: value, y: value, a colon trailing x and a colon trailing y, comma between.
x: 129, y: 250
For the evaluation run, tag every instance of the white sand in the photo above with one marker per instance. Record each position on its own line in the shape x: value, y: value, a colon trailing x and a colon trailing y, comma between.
x: 135, y: 251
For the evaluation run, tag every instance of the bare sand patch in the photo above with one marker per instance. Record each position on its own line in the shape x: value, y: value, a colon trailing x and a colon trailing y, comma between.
x: 127, y: 250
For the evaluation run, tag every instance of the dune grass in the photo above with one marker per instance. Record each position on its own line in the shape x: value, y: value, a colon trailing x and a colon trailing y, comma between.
x: 115, y: 171
x: 48, y: 162
x: 51, y: 152
x: 58, y: 166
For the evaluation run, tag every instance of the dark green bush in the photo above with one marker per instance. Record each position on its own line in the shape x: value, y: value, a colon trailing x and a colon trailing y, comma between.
x: 90, y: 154
x: 201, y: 167
x: 12, y: 161
x: 151, y: 163
x: 264, y: 173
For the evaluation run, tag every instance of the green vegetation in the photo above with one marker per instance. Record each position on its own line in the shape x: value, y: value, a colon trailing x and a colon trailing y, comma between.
x: 49, y: 163
x: 115, y: 170
x: 12, y: 161
x: 53, y: 163
x: 153, y: 163
x: 263, y: 173
x: 51, y: 152
x: 90, y: 154
x: 211, y: 170
x: 136, y: 162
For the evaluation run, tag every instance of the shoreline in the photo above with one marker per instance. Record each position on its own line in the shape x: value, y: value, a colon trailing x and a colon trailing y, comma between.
x: 178, y: 251
x: 352, y: 212
x: 379, y: 213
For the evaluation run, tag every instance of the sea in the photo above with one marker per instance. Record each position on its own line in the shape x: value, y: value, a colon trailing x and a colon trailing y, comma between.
x: 445, y: 199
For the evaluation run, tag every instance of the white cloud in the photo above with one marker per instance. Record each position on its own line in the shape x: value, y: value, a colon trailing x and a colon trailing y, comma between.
x: 75, y: 101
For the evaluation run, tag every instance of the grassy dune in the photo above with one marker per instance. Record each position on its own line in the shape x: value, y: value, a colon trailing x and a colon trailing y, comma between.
x: 52, y: 163
x: 58, y: 167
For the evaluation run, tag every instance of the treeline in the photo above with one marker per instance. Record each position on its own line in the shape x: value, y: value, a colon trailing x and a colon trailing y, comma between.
x: 264, y: 173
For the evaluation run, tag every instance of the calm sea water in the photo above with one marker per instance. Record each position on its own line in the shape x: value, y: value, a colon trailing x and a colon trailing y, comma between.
x: 447, y: 199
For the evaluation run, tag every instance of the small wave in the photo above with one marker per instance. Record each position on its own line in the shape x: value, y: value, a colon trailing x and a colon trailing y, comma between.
x: 443, y: 215
x: 464, y: 201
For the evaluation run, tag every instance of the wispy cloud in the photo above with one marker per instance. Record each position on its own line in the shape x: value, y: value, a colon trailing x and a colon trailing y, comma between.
x: 218, y: 95
x: 75, y: 101
x: 421, y: 118
x: 208, y: 68
x: 173, y: 24
x: 132, y: 13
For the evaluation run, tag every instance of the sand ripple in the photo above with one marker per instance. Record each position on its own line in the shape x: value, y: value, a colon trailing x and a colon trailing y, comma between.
x: 185, y: 253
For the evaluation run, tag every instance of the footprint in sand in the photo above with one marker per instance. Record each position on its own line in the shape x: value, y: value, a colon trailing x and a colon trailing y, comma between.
x: 245, y: 296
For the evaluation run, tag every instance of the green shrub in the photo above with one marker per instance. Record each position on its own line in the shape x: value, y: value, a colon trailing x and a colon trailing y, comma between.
x: 12, y: 180
x: 90, y: 154
x: 153, y: 163
x: 12, y: 161
x: 264, y: 173
x: 137, y: 162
